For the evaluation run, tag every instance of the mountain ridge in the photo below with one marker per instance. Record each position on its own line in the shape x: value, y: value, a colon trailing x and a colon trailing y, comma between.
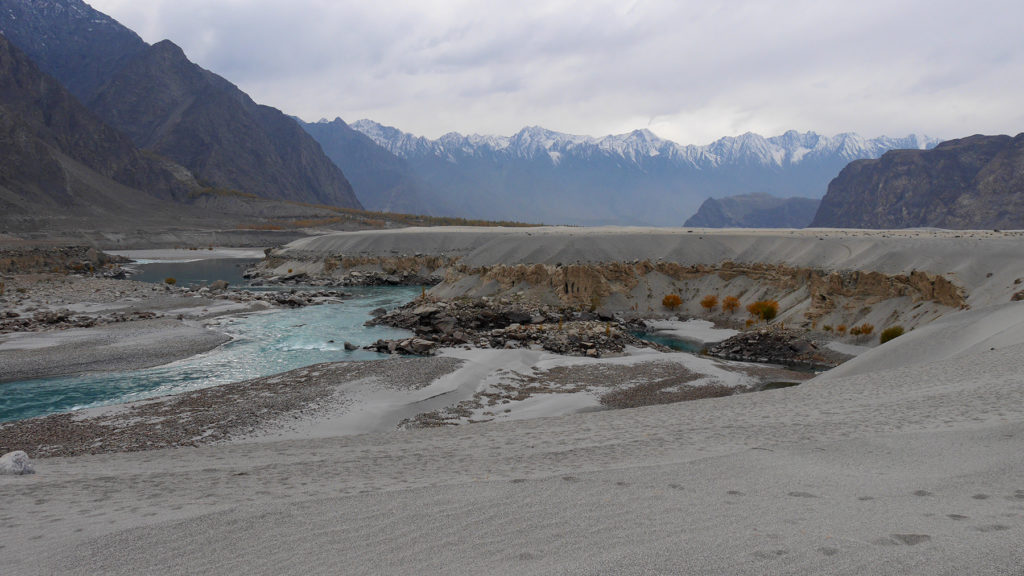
x: 754, y: 211
x: 59, y: 160
x: 790, y: 147
x: 171, y: 106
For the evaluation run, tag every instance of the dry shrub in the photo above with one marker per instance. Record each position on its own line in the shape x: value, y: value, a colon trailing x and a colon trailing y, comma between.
x: 672, y: 301
x: 866, y: 329
x: 730, y: 304
x: 709, y: 302
x: 841, y: 328
x: 170, y: 281
x: 890, y: 333
x: 764, y: 309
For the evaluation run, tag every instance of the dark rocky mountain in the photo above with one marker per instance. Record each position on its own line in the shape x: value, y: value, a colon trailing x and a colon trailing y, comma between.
x: 538, y: 175
x: 168, y: 105
x: 384, y: 182
x: 974, y: 182
x: 70, y: 41
x: 57, y: 158
x: 754, y: 211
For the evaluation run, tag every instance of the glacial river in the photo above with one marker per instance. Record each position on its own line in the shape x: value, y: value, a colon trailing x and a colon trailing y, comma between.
x: 262, y: 343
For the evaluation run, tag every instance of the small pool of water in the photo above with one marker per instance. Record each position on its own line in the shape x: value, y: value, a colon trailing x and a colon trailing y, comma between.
x: 195, y: 272
x: 673, y: 343
x: 262, y: 344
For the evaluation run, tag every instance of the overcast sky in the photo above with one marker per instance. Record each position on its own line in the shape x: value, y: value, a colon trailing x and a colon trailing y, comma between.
x: 691, y: 71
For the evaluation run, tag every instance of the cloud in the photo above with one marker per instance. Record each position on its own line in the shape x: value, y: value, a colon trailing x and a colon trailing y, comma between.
x: 691, y: 71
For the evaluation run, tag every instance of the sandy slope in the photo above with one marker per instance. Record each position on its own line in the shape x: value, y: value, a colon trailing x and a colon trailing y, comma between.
x: 912, y: 469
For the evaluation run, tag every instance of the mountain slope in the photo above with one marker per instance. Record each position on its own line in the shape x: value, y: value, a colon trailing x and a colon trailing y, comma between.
x: 70, y: 41
x: 754, y: 211
x: 171, y: 106
x: 635, y: 178
x: 974, y: 182
x: 383, y: 181
x: 58, y: 159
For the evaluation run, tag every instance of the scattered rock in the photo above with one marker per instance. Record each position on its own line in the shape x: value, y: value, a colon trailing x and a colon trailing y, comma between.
x: 776, y: 345
x: 489, y: 323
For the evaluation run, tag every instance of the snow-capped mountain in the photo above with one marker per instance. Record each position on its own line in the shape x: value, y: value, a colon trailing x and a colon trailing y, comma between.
x: 638, y: 146
x: 540, y: 175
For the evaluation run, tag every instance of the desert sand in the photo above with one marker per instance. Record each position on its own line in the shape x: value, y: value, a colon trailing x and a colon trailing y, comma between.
x: 905, y: 460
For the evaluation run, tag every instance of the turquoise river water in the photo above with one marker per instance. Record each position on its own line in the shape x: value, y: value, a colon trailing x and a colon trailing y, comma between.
x: 262, y: 343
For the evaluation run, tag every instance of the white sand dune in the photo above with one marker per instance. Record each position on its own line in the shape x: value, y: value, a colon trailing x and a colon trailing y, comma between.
x: 906, y: 460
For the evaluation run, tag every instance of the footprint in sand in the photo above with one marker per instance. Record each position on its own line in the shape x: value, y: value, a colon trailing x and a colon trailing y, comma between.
x: 922, y: 493
x: 981, y: 496
x: 903, y: 539
x: 956, y: 517
x: 828, y: 551
x: 802, y: 495
x: 992, y: 528
x: 770, y: 554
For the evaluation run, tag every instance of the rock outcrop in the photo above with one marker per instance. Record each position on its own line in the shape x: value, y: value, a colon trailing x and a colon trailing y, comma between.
x: 970, y: 183
x: 503, y: 323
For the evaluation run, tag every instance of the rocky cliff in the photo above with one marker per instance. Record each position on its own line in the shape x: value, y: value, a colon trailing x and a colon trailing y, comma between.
x: 970, y: 183
x: 754, y: 211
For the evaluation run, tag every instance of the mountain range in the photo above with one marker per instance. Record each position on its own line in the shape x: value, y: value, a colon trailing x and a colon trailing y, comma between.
x: 539, y: 175
x: 96, y: 123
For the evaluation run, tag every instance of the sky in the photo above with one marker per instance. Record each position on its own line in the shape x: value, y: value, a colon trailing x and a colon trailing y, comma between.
x: 689, y: 71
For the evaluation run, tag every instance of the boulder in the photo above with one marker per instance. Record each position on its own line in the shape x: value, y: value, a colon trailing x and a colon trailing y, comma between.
x: 421, y: 346
x: 518, y: 317
x: 15, y: 464
x: 218, y: 285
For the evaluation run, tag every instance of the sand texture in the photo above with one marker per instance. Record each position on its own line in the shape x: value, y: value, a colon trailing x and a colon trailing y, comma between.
x: 912, y: 469
x: 905, y: 460
x: 918, y: 471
